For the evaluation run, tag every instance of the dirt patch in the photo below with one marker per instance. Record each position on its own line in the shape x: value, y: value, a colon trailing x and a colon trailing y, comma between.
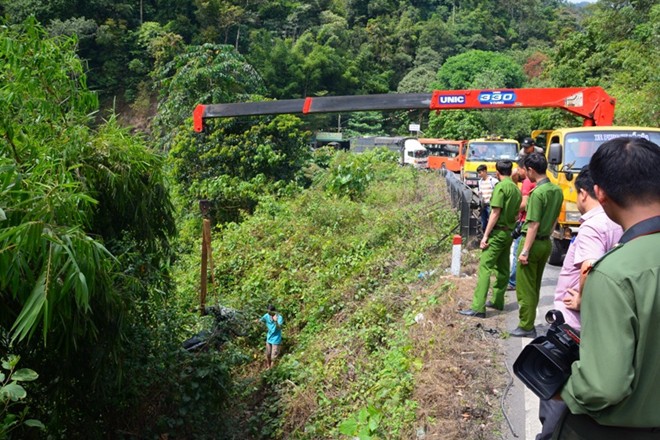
x: 460, y: 385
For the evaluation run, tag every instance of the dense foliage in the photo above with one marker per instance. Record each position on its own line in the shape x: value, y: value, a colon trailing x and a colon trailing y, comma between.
x: 85, y: 222
x: 70, y: 193
x: 237, y: 163
x: 92, y: 295
x: 208, y: 73
x: 13, y: 412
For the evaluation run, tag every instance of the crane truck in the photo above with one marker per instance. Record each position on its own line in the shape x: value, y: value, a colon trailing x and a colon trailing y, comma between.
x: 487, y: 151
x: 567, y: 149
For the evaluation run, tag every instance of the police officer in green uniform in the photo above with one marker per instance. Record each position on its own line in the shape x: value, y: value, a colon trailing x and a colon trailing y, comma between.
x: 543, y: 208
x: 496, y: 242
x: 614, y: 390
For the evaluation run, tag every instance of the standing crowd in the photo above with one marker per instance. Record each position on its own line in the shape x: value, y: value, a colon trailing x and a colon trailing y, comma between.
x: 539, y: 208
x: 608, y: 287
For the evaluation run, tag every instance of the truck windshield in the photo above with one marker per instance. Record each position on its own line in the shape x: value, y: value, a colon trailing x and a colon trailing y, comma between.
x: 418, y: 153
x: 579, y: 147
x: 491, y: 151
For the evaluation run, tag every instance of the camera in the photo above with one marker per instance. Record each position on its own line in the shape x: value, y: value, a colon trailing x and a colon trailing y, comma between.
x: 544, y: 365
x: 517, y: 230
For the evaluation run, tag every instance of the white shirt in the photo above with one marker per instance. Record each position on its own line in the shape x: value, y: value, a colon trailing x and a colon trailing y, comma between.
x: 486, y: 188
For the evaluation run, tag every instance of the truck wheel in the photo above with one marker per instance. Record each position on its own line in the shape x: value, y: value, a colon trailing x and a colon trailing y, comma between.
x: 559, y: 249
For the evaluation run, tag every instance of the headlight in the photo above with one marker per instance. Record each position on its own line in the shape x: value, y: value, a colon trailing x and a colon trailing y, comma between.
x: 572, y: 212
x: 573, y: 216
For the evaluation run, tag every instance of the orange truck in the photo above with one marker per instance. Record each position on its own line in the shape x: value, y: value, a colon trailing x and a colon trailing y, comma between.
x: 445, y: 153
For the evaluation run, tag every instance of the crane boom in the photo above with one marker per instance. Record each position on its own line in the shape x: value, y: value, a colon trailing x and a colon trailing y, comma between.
x: 324, y: 104
x: 591, y: 103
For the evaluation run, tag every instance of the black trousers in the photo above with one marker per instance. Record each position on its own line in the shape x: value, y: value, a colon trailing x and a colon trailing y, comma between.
x: 550, y: 412
x: 581, y: 427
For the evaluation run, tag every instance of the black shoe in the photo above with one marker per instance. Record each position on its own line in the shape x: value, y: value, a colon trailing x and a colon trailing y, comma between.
x: 510, y: 287
x: 518, y: 332
x: 491, y: 305
x: 470, y: 312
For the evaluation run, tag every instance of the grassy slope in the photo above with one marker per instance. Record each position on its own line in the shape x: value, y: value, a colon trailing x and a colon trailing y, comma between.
x: 345, y: 275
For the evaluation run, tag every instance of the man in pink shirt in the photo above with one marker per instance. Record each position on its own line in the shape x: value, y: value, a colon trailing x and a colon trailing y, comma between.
x: 597, y: 235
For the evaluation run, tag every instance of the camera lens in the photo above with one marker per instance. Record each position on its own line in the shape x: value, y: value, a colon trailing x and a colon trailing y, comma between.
x: 544, y: 364
x: 541, y: 368
x: 547, y: 372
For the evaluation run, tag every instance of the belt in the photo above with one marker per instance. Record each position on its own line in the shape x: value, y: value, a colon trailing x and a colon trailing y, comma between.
x: 538, y: 237
x: 501, y: 228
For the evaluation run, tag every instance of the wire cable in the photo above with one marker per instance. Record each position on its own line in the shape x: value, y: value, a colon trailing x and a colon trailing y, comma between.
x: 504, y: 394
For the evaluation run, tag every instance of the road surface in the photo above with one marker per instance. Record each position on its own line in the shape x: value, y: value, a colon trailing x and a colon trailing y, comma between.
x: 520, y: 404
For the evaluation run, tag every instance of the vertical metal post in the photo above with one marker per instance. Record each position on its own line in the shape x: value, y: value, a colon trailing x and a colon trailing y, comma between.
x: 204, y: 206
x: 456, y: 255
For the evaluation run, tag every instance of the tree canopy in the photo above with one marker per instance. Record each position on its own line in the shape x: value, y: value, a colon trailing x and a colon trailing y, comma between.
x: 301, y: 49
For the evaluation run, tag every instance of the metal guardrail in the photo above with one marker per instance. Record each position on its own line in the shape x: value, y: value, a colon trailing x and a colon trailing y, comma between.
x: 466, y: 202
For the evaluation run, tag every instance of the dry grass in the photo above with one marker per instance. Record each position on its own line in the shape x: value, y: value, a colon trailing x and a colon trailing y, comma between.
x: 459, y: 386
x: 301, y: 405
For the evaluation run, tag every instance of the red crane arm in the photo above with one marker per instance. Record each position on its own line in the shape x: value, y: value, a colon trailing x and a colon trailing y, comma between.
x: 591, y: 103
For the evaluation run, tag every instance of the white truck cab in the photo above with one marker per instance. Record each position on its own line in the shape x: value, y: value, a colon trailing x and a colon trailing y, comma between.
x: 413, y: 153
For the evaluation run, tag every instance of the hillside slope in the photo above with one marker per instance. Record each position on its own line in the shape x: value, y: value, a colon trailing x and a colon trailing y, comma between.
x: 373, y: 347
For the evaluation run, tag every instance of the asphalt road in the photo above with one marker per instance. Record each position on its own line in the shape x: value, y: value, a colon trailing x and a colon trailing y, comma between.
x: 521, y: 405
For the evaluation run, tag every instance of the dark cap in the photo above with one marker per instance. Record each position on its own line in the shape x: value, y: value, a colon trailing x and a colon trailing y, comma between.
x: 528, y: 142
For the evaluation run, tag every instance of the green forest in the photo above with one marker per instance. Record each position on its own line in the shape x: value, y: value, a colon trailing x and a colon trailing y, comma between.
x: 101, y: 178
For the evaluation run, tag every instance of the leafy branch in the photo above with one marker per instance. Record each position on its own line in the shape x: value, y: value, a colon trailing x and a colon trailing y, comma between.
x: 12, y: 395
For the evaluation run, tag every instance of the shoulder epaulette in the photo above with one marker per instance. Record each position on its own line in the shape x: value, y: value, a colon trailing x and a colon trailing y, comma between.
x: 614, y: 249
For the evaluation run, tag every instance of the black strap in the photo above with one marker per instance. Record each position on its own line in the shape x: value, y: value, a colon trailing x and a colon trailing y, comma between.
x: 543, y: 181
x: 645, y: 227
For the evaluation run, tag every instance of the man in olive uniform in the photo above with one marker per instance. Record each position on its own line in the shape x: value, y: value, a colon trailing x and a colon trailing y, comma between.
x: 543, y: 208
x: 614, y: 389
x: 496, y: 242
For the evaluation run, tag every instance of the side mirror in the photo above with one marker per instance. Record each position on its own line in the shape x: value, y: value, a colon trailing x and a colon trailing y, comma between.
x: 555, y: 154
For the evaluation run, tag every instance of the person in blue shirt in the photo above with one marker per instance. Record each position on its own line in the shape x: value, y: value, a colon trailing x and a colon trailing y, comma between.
x: 273, y: 321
